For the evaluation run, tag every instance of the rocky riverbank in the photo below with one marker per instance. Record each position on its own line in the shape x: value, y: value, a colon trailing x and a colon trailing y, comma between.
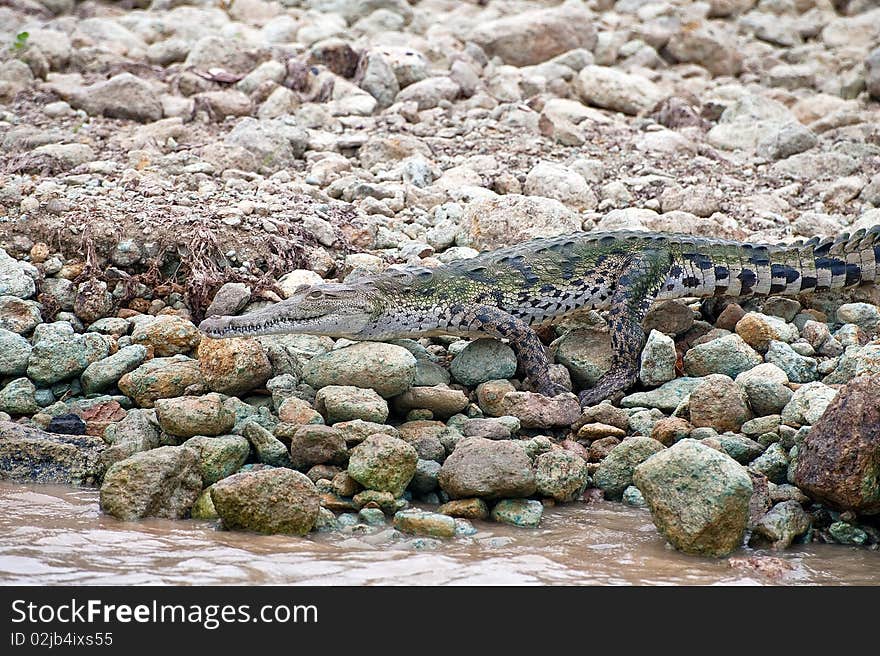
x: 180, y: 159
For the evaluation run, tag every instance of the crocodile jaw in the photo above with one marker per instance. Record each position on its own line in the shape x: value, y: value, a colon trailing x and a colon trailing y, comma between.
x: 266, y: 322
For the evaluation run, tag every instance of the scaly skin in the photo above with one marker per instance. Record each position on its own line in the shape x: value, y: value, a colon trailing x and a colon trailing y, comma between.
x: 506, y: 292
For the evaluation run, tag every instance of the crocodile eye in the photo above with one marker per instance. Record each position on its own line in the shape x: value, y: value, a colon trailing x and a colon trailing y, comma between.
x: 314, y: 295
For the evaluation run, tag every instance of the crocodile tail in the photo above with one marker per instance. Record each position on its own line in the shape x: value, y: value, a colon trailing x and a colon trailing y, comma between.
x: 838, y: 262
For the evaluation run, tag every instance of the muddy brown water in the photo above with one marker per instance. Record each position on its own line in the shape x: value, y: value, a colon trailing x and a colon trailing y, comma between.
x: 53, y: 535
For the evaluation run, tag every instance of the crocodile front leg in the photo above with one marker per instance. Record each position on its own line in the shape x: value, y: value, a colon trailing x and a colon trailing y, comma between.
x: 632, y: 298
x: 525, y: 343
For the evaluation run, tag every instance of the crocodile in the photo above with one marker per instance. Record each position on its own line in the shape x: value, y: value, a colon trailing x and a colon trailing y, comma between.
x: 509, y: 292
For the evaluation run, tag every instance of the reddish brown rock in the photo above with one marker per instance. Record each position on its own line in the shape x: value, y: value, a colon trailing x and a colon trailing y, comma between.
x: 234, y: 366
x: 101, y: 415
x: 839, y: 460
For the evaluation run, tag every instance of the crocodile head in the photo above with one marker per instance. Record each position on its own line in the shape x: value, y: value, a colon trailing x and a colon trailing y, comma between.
x: 336, y: 310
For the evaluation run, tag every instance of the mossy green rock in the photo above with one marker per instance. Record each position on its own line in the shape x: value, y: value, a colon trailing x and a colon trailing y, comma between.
x: 420, y: 522
x: 518, y: 512
x: 483, y: 360
x: 100, y: 375
x: 773, y: 463
x: 203, y: 508
x: 269, y: 449
x: 383, y: 463
x: 346, y: 403
x: 699, y: 497
x: 277, y: 500
x: 14, y: 353
x: 163, y: 482
x: 560, y: 474
x: 615, y: 472
x: 386, y: 368
x: 186, y: 416
x: 219, y: 457
x: 17, y: 398
x: 58, y: 355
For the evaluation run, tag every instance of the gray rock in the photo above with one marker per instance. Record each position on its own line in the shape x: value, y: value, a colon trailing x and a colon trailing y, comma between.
x: 699, y: 498
x: 798, y: 368
x: 765, y: 388
x: 274, y: 143
x: 138, y: 431
x: 808, y: 404
x: 383, y: 463
x: 163, y: 482
x: 560, y: 474
x: 483, y: 360
x: 385, y: 368
x: 346, y: 402
x: 611, y: 88
x: 711, y: 44
x: 728, y: 355
x: 518, y: 512
x: 790, y: 139
x: 666, y: 397
x: 122, y: 96
x: 101, y: 374
x: 216, y: 51
x: 231, y: 298
x: 269, y: 449
x: 32, y: 455
x: 430, y: 92
x: 503, y: 220
x: 615, y: 472
x: 219, y: 457
x: 586, y: 353
x: 783, y: 523
x: 377, y: 78
x: 566, y: 185
x: 425, y: 479
x: 487, y: 468
x: 14, y: 279
x: 61, y: 290
x: 864, y: 315
x: 276, y: 500
x: 657, y: 360
x: 14, y: 353
x: 532, y: 37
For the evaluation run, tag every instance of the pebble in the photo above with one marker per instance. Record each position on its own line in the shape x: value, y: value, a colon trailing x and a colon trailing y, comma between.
x: 615, y: 472
x: 483, y: 360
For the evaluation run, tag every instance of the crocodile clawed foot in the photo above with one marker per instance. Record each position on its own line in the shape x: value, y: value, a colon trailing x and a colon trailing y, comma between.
x: 612, y: 386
